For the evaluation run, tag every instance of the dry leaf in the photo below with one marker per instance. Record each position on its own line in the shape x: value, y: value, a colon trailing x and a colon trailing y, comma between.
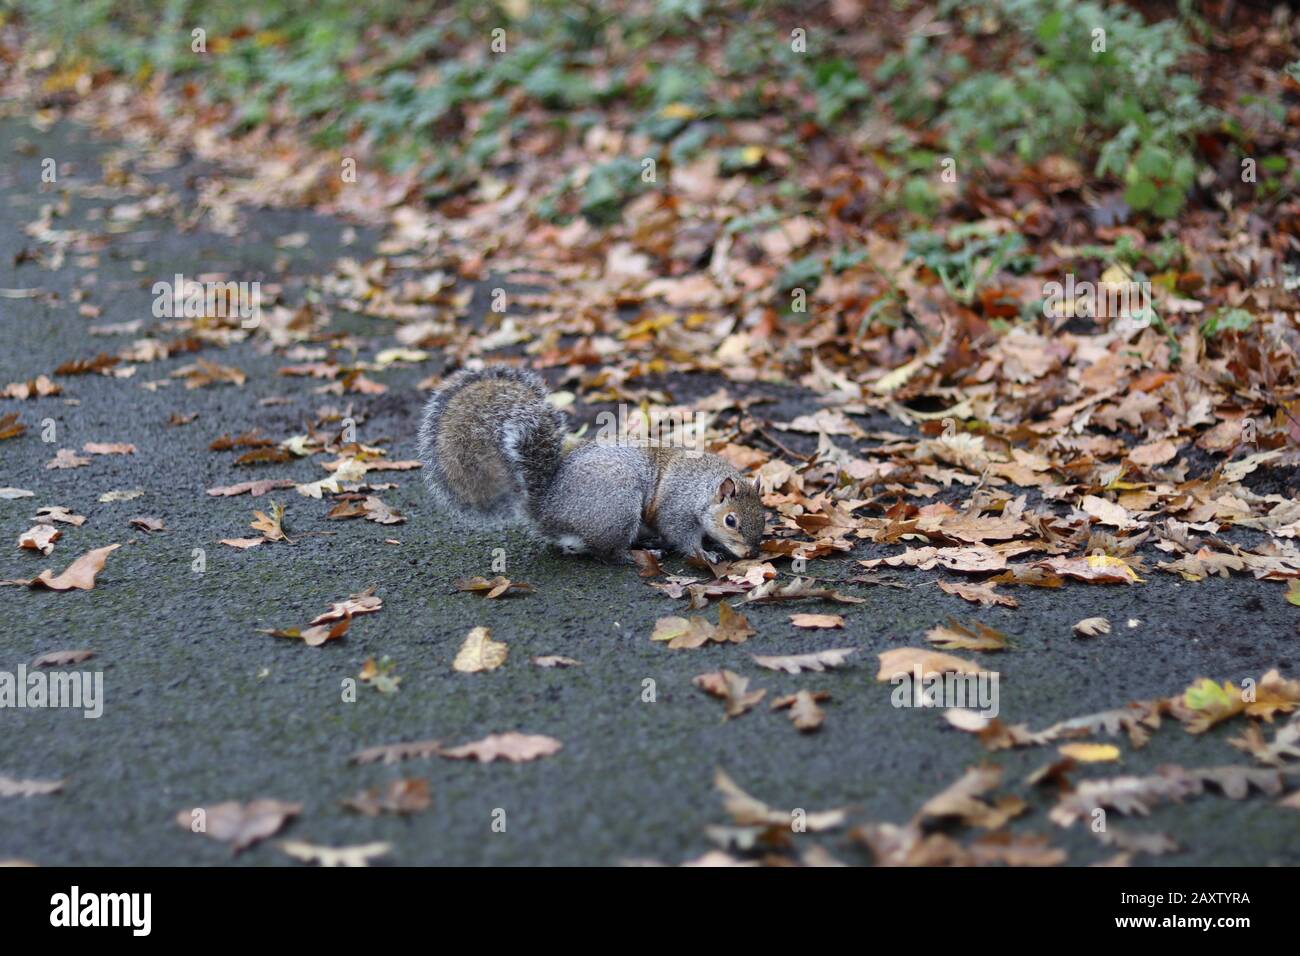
x: 513, y: 746
x: 80, y: 574
x: 817, y: 661
x: 905, y: 661
x: 239, y: 824
x: 804, y: 712
x: 62, y: 658
x: 9, y: 787
x: 817, y: 620
x: 409, y: 795
x: 480, y: 653
x: 1092, y: 626
x: 732, y: 689
x: 958, y: 637
x: 335, y: 856
x: 395, y: 753
x: 552, y: 660
x: 106, y: 448
x: 1089, y: 753
x: 40, y: 538
x: 492, y: 589
x: 67, y: 458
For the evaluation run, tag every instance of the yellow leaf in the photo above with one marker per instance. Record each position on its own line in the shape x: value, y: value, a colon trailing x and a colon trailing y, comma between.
x: 1089, y: 753
x: 681, y: 111
x: 480, y: 652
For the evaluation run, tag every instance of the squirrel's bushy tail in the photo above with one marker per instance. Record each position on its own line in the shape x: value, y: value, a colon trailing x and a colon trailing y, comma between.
x: 490, y: 442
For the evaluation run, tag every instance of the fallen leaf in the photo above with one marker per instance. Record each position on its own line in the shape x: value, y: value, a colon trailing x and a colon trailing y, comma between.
x: 254, y: 488
x: 9, y: 787
x: 480, y: 653
x: 1092, y: 626
x: 494, y: 588
x: 106, y: 448
x: 62, y: 658
x: 395, y: 753
x: 552, y: 660
x: 804, y: 712
x: 731, y: 688
x: 239, y: 824
x: 410, y: 795
x: 905, y: 661
x: 359, y: 855
x: 40, y: 538
x: 67, y: 458
x: 270, y: 525
x: 958, y: 637
x: 1089, y: 753
x: 512, y: 746
x: 817, y: 620
x: 80, y: 574
x: 797, y: 663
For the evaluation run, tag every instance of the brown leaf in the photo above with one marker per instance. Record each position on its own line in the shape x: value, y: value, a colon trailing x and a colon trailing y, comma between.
x: 552, y: 660
x: 147, y: 524
x: 647, y: 565
x: 38, y: 387
x: 54, y: 513
x: 492, y: 589
x: 239, y: 824
x: 315, y: 635
x: 730, y: 688
x: 80, y: 574
x: 108, y: 448
x: 797, y: 663
x: 817, y: 620
x: 67, y: 458
x: 982, y: 594
x: 958, y: 637
x: 410, y: 795
x: 363, y: 603
x: 804, y: 712
x: 270, y: 525
x: 904, y: 661
x: 965, y: 800
x: 512, y: 746
x: 10, y: 426
x: 264, y: 456
x: 40, y: 538
x: 62, y: 658
x: 395, y: 753
x: 254, y: 488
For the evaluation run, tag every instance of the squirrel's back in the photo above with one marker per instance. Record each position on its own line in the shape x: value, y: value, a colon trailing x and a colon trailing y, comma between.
x: 490, y: 443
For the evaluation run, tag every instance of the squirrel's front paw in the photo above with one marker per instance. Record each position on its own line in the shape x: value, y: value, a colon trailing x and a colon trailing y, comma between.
x: 710, y: 556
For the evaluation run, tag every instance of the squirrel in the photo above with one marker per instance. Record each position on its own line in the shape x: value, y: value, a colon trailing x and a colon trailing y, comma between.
x: 496, y: 452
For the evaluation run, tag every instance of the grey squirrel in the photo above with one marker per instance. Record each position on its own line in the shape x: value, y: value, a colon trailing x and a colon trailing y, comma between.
x: 497, y: 452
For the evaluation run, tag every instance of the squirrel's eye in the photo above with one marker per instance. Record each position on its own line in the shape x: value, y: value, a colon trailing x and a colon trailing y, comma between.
x: 730, y: 519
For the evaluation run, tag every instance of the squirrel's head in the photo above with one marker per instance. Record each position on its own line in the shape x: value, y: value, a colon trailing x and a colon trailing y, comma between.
x: 735, y: 518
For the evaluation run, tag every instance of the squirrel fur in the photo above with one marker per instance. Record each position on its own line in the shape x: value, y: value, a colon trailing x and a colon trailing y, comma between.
x: 496, y: 452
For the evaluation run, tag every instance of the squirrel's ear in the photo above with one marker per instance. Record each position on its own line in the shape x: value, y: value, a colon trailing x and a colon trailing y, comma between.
x: 727, y: 489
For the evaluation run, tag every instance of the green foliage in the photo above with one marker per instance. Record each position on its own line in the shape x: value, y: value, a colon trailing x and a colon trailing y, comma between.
x: 968, y: 257
x: 1087, y: 79
x: 1227, y: 320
